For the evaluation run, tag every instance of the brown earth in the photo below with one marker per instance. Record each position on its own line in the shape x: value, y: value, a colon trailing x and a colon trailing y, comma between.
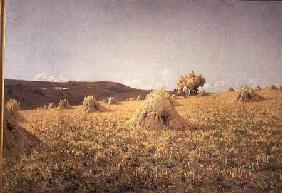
x: 34, y: 94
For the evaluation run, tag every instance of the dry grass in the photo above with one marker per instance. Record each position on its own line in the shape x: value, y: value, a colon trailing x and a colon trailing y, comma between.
x: 239, y: 150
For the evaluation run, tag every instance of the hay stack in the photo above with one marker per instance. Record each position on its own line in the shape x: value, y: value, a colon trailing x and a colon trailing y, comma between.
x: 64, y: 104
x: 13, y: 106
x: 51, y: 105
x: 139, y: 97
x: 246, y: 94
x: 112, y: 100
x: 16, y: 138
x: 258, y: 88
x: 90, y: 104
x: 158, y: 112
x: 231, y: 89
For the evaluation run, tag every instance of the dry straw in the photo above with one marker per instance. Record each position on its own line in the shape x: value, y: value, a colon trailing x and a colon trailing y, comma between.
x: 51, y: 105
x: 191, y: 81
x: 139, y: 97
x: 158, y: 112
x: 112, y: 100
x: 246, y: 94
x: 64, y: 104
x: 16, y: 138
x: 90, y: 104
x: 13, y: 106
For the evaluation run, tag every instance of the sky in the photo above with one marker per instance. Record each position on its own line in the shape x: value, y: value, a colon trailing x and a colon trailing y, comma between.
x: 145, y: 43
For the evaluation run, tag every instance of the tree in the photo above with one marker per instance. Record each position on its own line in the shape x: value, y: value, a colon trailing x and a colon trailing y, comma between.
x: 192, y: 82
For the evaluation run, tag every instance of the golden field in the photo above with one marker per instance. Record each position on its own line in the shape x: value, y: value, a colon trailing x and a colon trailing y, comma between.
x: 232, y: 147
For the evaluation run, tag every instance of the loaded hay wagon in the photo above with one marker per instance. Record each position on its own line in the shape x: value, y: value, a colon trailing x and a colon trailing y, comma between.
x: 189, y: 84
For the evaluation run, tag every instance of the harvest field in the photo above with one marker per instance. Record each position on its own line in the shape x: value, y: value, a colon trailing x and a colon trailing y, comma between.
x: 232, y: 147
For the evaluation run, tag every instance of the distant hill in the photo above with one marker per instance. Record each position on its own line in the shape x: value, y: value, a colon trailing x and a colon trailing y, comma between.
x: 33, y: 94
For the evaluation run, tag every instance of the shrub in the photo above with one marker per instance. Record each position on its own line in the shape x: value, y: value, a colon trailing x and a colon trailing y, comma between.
x: 90, y: 104
x: 246, y: 94
x: 272, y: 87
x: 231, y: 89
x: 64, y: 104
x: 13, y: 106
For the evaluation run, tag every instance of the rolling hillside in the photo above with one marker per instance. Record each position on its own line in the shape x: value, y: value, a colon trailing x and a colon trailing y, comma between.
x: 33, y: 94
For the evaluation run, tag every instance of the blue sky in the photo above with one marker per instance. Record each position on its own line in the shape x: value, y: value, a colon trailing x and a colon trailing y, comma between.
x: 145, y: 43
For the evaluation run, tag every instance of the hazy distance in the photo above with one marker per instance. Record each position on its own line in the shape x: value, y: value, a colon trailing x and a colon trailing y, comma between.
x: 145, y: 43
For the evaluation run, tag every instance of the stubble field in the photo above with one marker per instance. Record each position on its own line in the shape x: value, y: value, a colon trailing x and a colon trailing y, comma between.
x: 233, y: 147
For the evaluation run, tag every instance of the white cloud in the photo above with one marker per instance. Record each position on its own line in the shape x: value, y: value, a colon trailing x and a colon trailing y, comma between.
x: 133, y: 83
x: 168, y: 79
x: 206, y: 86
x: 219, y: 84
x: 43, y: 76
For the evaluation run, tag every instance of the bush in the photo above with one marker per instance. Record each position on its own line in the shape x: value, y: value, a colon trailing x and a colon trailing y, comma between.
x: 272, y: 87
x: 13, y: 106
x: 64, y: 104
x: 90, y: 104
x: 231, y: 89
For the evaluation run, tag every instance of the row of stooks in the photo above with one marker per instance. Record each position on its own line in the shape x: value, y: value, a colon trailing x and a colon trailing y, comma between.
x: 89, y: 104
x: 157, y: 111
x: 271, y: 87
